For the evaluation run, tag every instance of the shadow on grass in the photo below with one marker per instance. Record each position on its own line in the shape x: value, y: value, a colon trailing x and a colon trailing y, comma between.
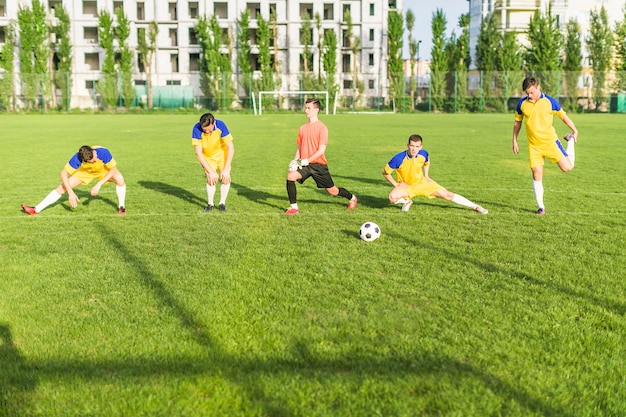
x: 174, y: 191
x: 260, y: 197
x: 17, y: 379
x: 303, y: 364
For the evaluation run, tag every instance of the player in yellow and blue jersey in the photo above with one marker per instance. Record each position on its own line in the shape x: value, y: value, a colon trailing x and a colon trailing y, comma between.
x: 538, y: 110
x: 214, y: 149
x: 411, y: 168
x: 89, y: 163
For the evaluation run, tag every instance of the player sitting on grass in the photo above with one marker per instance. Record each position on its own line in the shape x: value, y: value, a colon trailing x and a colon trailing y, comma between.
x: 88, y: 163
x: 411, y: 168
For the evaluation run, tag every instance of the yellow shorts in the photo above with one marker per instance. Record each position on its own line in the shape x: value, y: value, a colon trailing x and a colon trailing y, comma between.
x: 216, y: 164
x: 425, y: 189
x: 86, y: 177
x: 538, y: 153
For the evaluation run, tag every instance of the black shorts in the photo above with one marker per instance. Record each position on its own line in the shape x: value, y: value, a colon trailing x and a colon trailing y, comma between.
x: 320, y: 175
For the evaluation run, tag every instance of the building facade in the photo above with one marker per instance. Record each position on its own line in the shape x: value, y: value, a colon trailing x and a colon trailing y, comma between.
x: 177, y: 59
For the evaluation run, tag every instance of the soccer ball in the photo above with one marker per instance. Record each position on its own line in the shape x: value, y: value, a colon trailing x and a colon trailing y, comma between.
x: 369, y: 231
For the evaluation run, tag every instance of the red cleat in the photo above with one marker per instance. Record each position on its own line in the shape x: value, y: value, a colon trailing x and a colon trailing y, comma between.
x: 28, y: 209
x: 352, y: 203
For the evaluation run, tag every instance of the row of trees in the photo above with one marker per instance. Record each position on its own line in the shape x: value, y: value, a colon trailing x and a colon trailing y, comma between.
x: 45, y: 59
x: 551, y: 55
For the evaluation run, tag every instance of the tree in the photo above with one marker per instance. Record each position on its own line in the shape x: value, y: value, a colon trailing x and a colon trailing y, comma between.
x: 572, y: 64
x: 244, y: 51
x: 438, y: 62
x: 620, y: 53
x: 600, y: 47
x: 122, y: 32
x: 7, y: 88
x: 306, y: 60
x: 107, y: 86
x: 410, y: 23
x: 487, y: 49
x: 395, y: 68
x: 146, y: 48
x: 458, y: 55
x: 543, y: 58
x: 320, y: 41
x: 63, y: 73
x: 33, y: 54
x: 510, y: 61
x: 266, y: 82
x: 329, y: 61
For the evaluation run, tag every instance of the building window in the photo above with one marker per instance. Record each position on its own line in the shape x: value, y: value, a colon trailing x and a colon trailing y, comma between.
x: 372, y: 9
x: 254, y: 10
x: 92, y: 61
x: 370, y: 84
x: 306, y: 11
x: 3, y: 34
x: 141, y: 67
x: 118, y: 5
x: 90, y: 84
x: 345, y: 63
x: 220, y: 10
x: 346, y: 10
x: 173, y: 37
x: 372, y: 35
x: 193, y: 9
x: 52, y: 4
x: 371, y: 60
x: 347, y: 84
x: 193, y: 37
x: 172, y: 82
x: 141, y: 11
x: 328, y: 11
x: 194, y: 62
x: 90, y: 8
x: 90, y: 35
x: 346, y: 39
x: 173, y: 12
x: 309, y: 63
x: 174, y: 62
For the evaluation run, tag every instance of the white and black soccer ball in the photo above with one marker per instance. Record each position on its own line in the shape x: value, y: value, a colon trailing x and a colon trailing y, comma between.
x: 369, y: 231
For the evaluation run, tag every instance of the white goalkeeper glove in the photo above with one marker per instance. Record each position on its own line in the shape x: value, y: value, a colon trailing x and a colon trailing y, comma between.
x: 293, y: 165
x: 303, y: 162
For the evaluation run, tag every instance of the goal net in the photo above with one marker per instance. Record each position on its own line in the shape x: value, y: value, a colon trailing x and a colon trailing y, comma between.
x: 276, y: 95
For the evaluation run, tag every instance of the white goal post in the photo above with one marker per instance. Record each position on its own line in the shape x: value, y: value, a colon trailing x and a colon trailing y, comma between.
x: 290, y: 93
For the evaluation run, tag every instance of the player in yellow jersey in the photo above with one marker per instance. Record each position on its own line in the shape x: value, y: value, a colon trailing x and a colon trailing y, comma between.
x: 538, y: 110
x: 214, y: 149
x: 88, y: 163
x: 411, y: 168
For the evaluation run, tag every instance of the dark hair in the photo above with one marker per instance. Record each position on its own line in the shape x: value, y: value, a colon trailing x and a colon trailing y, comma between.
x: 207, y: 119
x: 85, y: 153
x: 315, y: 101
x: 529, y: 82
x: 415, y: 138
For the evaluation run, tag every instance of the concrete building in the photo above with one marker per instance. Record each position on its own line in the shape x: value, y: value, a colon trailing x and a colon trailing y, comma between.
x: 176, y: 63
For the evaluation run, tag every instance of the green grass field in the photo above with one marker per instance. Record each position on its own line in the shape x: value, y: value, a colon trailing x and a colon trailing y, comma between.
x: 169, y: 311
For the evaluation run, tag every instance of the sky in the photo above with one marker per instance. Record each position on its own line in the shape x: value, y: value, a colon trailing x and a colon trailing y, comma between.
x: 423, y: 11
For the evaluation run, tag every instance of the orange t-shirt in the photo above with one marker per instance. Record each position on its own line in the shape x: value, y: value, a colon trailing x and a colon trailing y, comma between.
x: 310, y: 137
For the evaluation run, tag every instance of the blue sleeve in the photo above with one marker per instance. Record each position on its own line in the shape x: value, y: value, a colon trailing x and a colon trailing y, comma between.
x: 424, y: 153
x: 74, y: 161
x: 104, y: 155
x: 556, y: 106
x: 222, y: 126
x: 396, y: 161
x: 518, y: 109
x: 196, y: 132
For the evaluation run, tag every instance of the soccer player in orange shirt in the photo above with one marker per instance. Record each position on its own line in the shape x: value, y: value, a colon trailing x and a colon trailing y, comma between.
x: 310, y: 160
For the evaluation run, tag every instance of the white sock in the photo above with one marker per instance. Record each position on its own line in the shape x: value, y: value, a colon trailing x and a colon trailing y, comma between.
x: 402, y: 201
x: 459, y: 199
x: 570, y: 151
x: 538, y: 189
x: 210, y: 192
x: 51, y: 198
x: 294, y: 206
x: 121, y: 195
x: 224, y: 188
